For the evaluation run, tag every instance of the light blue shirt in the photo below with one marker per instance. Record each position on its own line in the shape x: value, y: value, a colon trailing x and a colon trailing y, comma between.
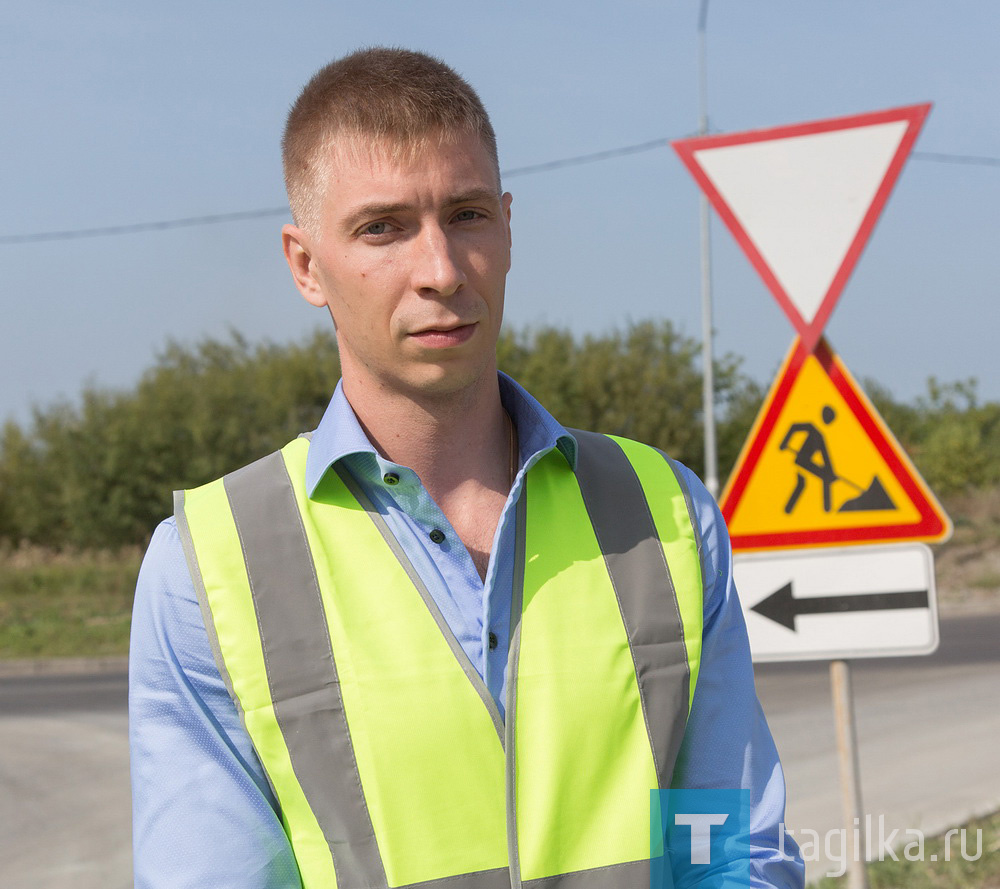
x: 203, y: 813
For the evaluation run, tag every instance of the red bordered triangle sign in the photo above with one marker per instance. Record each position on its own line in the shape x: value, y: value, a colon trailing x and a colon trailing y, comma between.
x: 820, y: 467
x: 802, y: 200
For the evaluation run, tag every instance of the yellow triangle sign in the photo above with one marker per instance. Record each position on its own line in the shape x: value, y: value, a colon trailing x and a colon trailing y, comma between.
x: 820, y: 467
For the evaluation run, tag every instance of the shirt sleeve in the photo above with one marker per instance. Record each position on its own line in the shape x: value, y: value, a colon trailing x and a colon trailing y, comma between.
x: 727, y: 744
x: 203, y: 812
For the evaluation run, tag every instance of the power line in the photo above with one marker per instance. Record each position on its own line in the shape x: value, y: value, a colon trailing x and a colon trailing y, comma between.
x: 586, y: 158
x: 160, y: 225
x: 941, y: 158
x: 215, y: 218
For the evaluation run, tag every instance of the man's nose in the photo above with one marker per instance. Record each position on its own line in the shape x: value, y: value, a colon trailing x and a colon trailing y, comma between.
x: 436, y: 267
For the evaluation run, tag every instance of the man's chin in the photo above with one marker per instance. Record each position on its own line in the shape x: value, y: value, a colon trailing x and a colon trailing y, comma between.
x: 441, y: 379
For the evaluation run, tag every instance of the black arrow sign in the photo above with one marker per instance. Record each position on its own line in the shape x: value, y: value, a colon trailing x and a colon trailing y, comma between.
x: 783, y: 608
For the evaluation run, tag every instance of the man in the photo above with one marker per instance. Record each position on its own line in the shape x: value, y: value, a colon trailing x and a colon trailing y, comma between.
x: 442, y: 641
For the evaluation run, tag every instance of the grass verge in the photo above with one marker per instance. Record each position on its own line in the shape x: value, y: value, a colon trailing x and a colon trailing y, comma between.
x: 945, y: 862
x: 65, y: 604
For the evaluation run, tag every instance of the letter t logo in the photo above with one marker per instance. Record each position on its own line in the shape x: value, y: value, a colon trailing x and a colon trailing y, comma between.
x: 701, y: 834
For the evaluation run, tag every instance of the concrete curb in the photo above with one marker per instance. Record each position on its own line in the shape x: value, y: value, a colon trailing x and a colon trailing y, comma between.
x: 63, y: 666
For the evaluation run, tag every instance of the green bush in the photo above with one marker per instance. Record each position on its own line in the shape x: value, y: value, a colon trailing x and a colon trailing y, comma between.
x: 99, y: 472
x: 952, y: 438
x: 644, y: 384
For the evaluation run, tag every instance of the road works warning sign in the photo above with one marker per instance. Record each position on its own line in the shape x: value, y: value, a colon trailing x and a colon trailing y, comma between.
x: 820, y: 467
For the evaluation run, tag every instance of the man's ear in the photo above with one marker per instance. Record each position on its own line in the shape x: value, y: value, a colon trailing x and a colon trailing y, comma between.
x: 298, y: 255
x: 505, y: 202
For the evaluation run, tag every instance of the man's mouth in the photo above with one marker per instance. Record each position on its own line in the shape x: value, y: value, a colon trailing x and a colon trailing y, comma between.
x: 443, y: 337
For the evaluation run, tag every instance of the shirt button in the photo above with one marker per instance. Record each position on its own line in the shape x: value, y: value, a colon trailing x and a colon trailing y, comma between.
x: 437, y: 536
x: 390, y: 478
x: 493, y: 641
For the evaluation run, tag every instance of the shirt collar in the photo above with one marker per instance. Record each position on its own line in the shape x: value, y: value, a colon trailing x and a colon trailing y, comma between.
x: 339, y: 434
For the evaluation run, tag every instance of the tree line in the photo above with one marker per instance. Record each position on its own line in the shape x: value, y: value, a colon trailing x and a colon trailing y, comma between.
x: 98, y: 472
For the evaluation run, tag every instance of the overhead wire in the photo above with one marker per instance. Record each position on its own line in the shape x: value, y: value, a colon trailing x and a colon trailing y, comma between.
x: 134, y: 227
x: 546, y: 166
x: 941, y: 158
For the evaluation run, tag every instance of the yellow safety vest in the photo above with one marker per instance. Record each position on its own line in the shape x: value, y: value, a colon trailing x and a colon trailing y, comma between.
x: 385, y: 750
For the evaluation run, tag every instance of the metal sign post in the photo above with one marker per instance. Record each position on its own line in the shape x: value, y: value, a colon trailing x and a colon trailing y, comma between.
x: 850, y: 775
x: 707, y: 359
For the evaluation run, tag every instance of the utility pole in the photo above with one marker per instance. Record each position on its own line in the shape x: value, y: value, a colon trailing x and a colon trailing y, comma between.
x: 707, y: 364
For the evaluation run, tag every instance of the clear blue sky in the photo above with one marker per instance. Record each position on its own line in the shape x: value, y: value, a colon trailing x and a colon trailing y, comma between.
x: 125, y: 112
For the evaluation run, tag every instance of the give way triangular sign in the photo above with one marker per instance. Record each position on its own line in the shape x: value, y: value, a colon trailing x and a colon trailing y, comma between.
x: 802, y: 200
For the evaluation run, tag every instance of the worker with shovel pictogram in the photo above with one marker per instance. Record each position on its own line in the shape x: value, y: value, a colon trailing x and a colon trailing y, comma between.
x: 813, y: 457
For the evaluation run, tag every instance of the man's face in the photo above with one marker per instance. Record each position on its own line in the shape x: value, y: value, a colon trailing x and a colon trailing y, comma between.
x: 411, y: 257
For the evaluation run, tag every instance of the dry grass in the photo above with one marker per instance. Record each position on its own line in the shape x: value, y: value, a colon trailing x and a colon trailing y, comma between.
x: 968, y: 565
x: 934, y: 872
x: 78, y: 603
x: 55, y: 604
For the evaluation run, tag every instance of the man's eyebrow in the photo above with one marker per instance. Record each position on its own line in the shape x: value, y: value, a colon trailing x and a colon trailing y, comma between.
x: 372, y: 211
x: 476, y: 194
x: 375, y: 210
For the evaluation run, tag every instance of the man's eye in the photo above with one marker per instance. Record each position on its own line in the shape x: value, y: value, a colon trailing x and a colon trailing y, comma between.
x: 467, y: 215
x: 375, y: 228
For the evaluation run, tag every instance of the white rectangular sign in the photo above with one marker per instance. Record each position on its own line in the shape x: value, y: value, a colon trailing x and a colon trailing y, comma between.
x: 831, y: 604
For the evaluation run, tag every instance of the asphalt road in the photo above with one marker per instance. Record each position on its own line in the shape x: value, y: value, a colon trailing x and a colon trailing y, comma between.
x: 64, y: 786
x: 927, y: 730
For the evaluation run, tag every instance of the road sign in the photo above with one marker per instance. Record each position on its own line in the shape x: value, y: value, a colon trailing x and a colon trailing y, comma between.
x: 802, y: 200
x: 820, y: 467
x: 872, y: 601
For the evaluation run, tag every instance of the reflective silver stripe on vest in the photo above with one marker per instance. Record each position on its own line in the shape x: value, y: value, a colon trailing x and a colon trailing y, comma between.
x: 301, y: 672
x: 513, y: 659
x: 631, y: 875
x: 499, y: 878
x: 639, y: 574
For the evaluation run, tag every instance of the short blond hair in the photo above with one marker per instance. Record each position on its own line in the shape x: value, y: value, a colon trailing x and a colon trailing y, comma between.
x: 379, y: 93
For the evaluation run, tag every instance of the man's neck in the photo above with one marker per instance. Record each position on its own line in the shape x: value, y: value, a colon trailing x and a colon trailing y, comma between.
x: 454, y: 442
